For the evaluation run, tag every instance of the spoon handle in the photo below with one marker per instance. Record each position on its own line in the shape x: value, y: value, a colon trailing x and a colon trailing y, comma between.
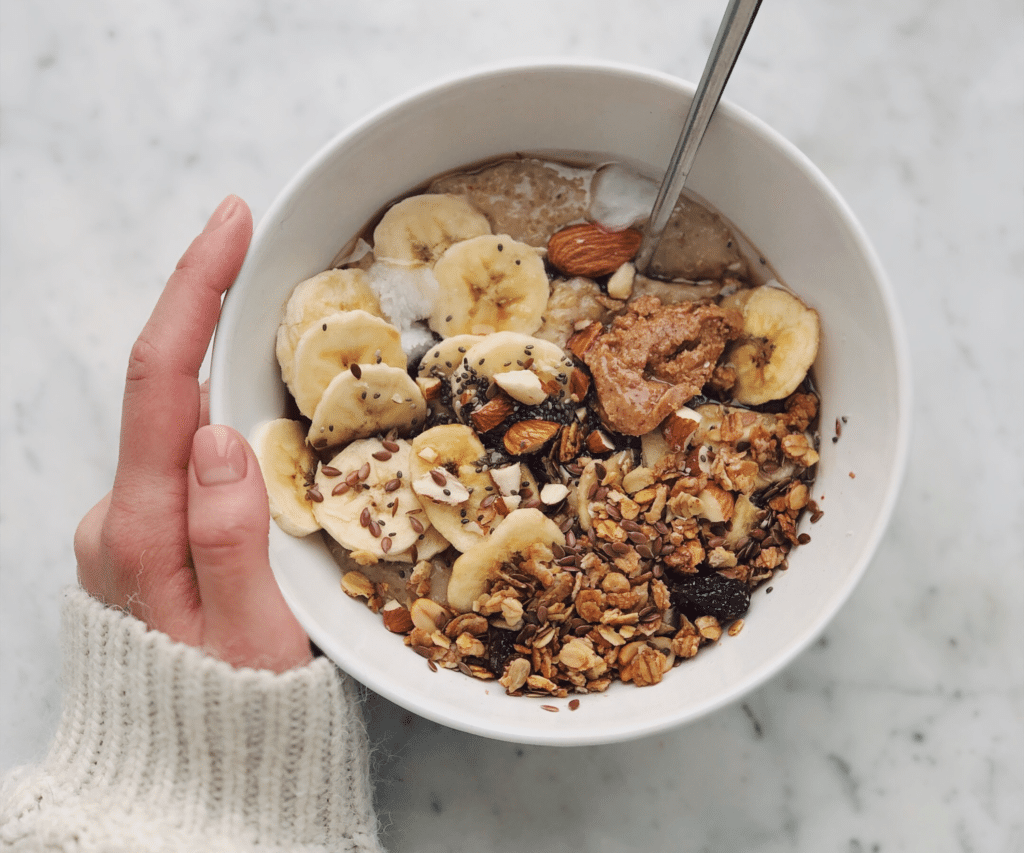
x: 732, y: 32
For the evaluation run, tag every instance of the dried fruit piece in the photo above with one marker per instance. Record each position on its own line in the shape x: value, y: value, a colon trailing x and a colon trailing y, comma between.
x: 710, y: 595
x: 500, y: 647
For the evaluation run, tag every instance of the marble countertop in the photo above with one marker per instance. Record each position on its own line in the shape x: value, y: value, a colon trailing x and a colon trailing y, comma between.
x: 902, y: 729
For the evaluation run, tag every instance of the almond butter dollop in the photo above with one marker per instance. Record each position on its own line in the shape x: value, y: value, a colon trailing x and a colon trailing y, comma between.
x: 655, y: 358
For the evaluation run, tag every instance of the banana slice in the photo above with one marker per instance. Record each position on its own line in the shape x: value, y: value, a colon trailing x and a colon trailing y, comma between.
x: 524, y: 531
x: 428, y: 545
x: 332, y: 345
x: 528, y: 369
x: 420, y: 228
x: 779, y: 346
x: 368, y: 503
x: 487, y: 284
x: 443, y: 359
x: 316, y: 298
x: 458, y: 498
x: 363, y: 401
x: 287, y: 463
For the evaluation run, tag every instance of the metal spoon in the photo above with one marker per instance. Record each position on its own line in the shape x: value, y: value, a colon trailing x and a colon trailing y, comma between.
x: 732, y: 32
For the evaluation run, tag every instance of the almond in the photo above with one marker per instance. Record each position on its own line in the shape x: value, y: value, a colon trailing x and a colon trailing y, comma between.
x: 579, y: 384
x: 589, y: 250
x: 598, y: 442
x: 529, y: 436
x: 552, y: 387
x: 583, y: 340
x: 677, y: 430
x: 716, y: 503
x: 396, y: 618
x: 492, y: 413
x: 357, y: 585
x: 430, y: 387
x: 428, y: 615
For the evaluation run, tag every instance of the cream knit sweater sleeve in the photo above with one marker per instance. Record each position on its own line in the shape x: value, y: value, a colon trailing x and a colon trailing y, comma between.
x: 162, y: 748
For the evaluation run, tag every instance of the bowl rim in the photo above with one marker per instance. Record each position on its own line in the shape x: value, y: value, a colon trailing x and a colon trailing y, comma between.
x: 219, y: 407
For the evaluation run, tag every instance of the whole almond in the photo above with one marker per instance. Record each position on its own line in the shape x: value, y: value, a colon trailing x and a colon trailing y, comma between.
x: 529, y: 436
x: 492, y: 413
x: 589, y: 250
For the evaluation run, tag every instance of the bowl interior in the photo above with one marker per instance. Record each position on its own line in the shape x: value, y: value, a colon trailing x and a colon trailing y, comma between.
x: 758, y: 181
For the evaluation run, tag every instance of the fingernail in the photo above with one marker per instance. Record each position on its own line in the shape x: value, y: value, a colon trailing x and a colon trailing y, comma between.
x: 218, y: 456
x: 225, y: 210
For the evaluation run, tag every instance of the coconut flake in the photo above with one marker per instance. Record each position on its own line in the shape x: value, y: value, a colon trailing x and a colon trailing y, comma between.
x: 407, y: 292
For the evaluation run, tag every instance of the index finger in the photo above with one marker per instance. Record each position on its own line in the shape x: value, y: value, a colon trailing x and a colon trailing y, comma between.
x: 161, y: 397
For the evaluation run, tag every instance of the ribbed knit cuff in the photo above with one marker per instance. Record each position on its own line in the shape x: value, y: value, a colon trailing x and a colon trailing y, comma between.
x: 169, y: 741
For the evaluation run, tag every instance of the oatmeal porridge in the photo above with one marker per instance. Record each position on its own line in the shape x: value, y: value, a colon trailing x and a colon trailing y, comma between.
x: 537, y: 465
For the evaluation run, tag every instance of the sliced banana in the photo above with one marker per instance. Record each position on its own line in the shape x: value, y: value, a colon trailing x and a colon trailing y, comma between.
x: 528, y: 369
x: 374, y: 513
x: 779, y: 345
x: 287, y: 464
x: 366, y: 400
x: 428, y: 545
x: 319, y: 297
x: 487, y: 284
x: 527, y: 532
x: 458, y: 498
x: 444, y: 358
x: 420, y: 228
x: 333, y: 345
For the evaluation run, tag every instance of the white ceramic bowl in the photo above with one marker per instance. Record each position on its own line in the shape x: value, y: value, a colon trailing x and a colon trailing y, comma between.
x: 756, y: 179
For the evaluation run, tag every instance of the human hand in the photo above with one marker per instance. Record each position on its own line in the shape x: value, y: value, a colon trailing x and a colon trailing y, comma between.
x: 180, y: 541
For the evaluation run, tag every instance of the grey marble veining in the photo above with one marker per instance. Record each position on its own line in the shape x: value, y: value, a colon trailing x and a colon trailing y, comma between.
x: 123, y: 125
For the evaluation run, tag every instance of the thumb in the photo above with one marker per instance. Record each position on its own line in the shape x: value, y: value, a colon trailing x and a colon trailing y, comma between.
x: 245, y: 619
